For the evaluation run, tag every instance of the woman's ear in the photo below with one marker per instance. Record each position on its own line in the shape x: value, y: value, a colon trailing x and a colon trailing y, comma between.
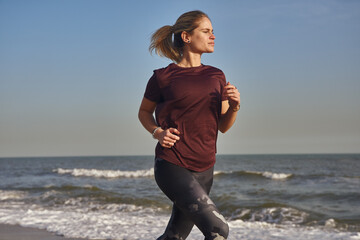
x: 186, y: 37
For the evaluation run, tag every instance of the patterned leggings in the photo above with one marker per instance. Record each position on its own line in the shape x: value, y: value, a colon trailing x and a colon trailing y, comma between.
x: 189, y: 191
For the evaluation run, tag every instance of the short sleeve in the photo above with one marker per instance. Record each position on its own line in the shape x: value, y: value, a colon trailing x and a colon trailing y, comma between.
x: 223, y: 83
x: 152, y: 91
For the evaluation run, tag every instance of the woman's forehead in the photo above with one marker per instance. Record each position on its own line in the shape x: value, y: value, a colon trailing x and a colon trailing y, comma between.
x: 205, y: 23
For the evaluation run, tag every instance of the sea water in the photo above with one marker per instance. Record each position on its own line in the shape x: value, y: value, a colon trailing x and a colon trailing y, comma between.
x: 262, y: 196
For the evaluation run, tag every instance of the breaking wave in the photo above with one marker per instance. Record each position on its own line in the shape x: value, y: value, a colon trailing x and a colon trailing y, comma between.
x: 269, y: 175
x: 82, y: 172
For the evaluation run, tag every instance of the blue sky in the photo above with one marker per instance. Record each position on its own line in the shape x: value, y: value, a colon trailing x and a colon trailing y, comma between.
x: 72, y: 74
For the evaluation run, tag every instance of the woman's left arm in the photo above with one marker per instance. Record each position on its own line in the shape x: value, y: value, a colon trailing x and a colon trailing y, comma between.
x: 229, y: 108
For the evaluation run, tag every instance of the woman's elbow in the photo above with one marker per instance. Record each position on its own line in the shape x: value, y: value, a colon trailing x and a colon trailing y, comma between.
x: 223, y: 129
x: 141, y: 114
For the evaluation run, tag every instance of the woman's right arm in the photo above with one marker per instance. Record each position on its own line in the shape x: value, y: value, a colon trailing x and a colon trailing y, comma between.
x: 167, y: 138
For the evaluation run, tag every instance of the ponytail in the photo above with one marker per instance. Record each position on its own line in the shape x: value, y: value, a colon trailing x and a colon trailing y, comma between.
x: 162, y: 39
x: 161, y: 43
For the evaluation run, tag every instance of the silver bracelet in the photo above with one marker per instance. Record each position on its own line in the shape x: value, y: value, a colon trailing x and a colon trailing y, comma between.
x: 153, y: 133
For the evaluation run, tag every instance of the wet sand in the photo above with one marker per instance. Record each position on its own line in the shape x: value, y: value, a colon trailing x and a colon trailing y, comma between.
x: 16, y: 232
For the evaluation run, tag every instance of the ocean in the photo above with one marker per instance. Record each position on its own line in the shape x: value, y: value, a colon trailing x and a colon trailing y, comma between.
x: 262, y: 196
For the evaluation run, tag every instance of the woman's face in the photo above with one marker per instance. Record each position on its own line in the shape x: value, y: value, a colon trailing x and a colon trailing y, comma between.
x: 202, y: 37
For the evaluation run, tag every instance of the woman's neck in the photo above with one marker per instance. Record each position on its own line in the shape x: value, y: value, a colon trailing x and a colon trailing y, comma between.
x: 190, y: 60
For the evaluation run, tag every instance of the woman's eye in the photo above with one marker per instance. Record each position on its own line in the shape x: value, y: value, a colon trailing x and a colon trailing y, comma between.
x: 208, y: 31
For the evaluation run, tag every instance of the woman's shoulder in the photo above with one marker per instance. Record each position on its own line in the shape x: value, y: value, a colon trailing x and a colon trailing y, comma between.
x: 163, y: 68
x: 162, y: 75
x: 214, y: 69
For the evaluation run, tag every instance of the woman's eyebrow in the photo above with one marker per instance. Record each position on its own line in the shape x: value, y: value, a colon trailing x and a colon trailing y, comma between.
x: 211, y: 30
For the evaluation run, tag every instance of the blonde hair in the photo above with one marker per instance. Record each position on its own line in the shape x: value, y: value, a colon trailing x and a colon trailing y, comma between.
x: 162, y: 41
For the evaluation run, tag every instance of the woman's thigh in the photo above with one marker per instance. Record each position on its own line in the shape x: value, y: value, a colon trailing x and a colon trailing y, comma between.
x: 180, y: 184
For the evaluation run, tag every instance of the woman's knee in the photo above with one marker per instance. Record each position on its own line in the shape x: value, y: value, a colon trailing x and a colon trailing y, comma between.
x: 219, y: 232
x: 211, y: 222
x: 224, y: 232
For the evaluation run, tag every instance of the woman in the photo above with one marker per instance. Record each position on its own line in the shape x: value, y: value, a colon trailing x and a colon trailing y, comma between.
x: 192, y: 102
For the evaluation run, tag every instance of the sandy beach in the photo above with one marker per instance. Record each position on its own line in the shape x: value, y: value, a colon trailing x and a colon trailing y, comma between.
x: 16, y: 232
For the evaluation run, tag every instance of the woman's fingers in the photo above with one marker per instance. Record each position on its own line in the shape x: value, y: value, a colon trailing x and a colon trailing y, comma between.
x: 232, y: 93
x: 169, y: 138
x: 168, y: 145
x: 230, y: 89
x: 174, y: 131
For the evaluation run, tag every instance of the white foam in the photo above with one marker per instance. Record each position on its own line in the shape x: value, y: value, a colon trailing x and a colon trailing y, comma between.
x: 271, y: 175
x: 82, y: 172
x: 265, y: 231
x: 221, y: 172
x: 6, y: 195
x: 330, y: 223
x: 280, y: 215
x: 276, y: 176
x: 132, y: 222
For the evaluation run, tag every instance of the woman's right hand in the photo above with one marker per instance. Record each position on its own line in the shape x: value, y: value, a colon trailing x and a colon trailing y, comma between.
x: 167, y: 138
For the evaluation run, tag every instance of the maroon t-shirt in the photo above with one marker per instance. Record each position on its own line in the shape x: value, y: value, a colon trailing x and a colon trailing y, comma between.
x: 188, y: 99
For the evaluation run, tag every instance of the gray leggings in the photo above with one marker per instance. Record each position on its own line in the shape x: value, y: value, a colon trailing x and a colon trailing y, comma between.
x: 189, y: 192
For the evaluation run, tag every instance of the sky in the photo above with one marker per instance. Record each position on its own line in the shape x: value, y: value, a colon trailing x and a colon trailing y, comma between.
x: 73, y: 74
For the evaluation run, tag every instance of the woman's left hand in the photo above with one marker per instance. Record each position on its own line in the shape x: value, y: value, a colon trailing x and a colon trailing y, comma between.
x: 233, y: 95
